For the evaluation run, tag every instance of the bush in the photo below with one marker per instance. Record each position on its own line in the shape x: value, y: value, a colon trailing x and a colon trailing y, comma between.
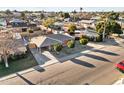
x: 83, y: 41
x: 17, y: 57
x: 30, y: 31
x: 89, y: 38
x: 99, y: 38
x: 71, y: 44
x: 57, y: 47
x: 84, y: 36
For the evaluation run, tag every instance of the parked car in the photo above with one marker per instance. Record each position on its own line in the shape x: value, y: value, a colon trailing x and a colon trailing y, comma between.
x: 120, y: 66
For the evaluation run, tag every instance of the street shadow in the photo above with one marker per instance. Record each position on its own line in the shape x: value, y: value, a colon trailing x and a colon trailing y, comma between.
x: 97, y: 57
x: 86, y: 84
x: 83, y: 63
x: 39, y: 69
x: 105, y: 52
x: 27, y: 81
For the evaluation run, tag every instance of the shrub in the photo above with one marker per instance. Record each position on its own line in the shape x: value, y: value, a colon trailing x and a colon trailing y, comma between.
x: 30, y: 31
x: 71, y: 44
x: 84, y: 36
x: 99, y: 38
x: 57, y: 47
x: 83, y: 41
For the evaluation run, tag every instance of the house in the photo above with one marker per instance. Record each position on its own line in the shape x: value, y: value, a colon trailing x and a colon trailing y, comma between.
x: 95, y: 18
x: 67, y: 20
x: 18, y: 23
x: 87, y: 32
x: 3, y: 23
x: 49, y: 40
x: 88, y: 23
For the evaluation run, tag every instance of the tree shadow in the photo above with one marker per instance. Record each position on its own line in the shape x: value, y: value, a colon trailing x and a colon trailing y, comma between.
x: 39, y: 69
x: 97, y: 57
x: 105, y: 52
x: 83, y: 63
x: 27, y: 81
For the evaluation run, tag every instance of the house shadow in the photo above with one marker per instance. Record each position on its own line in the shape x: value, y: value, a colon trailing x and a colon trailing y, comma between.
x: 97, y: 57
x: 39, y: 69
x: 26, y: 80
x: 83, y: 63
x: 109, y: 42
x: 105, y: 52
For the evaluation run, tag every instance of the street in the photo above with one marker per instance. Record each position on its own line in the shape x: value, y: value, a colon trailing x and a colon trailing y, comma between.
x: 94, y: 68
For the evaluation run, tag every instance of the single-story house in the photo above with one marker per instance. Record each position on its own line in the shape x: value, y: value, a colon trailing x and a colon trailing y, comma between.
x: 86, y: 32
x: 3, y: 23
x: 18, y: 23
x: 88, y: 23
x: 49, y: 40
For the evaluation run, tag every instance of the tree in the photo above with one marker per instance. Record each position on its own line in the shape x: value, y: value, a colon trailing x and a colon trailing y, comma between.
x: 71, y: 44
x: 110, y: 26
x: 83, y: 41
x: 8, y: 12
x: 48, y: 22
x: 57, y: 47
x: 6, y: 45
x: 101, y: 26
x: 114, y: 16
x: 23, y: 16
x: 42, y: 16
x: 65, y: 15
x: 81, y: 9
x: 72, y: 28
x: 116, y: 28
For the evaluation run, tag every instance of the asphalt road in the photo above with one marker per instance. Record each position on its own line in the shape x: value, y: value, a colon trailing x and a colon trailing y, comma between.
x: 95, y: 68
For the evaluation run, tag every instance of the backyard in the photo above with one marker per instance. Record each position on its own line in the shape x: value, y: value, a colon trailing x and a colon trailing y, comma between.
x: 17, y: 65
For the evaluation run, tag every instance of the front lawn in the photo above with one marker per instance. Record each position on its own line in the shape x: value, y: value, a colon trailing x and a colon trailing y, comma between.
x: 18, y: 65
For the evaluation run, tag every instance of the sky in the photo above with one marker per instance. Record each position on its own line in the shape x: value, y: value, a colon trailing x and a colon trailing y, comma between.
x: 66, y: 9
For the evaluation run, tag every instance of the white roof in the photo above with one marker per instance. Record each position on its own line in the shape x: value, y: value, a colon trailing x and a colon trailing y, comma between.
x: 87, y: 21
x: 95, y: 18
x: 17, y: 35
x: 43, y: 41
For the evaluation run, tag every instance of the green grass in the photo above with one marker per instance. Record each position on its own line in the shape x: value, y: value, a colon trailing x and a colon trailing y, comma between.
x: 17, y: 65
x: 119, y: 70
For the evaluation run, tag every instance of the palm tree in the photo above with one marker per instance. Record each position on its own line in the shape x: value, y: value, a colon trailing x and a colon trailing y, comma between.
x: 81, y: 9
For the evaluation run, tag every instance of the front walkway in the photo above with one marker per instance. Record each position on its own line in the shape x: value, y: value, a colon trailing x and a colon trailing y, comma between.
x: 40, y: 58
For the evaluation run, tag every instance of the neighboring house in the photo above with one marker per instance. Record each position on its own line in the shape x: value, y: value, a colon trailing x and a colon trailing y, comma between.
x: 12, y: 42
x: 3, y: 23
x: 67, y: 20
x: 86, y: 32
x: 96, y: 18
x: 88, y: 23
x: 18, y: 23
